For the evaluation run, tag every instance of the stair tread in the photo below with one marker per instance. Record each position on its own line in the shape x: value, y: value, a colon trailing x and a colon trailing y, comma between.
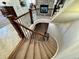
x: 30, y: 53
x: 41, y: 28
x: 43, y: 52
x: 53, y: 42
x: 22, y: 50
x: 37, y: 51
x: 50, y: 48
x: 16, y: 50
x: 47, y: 50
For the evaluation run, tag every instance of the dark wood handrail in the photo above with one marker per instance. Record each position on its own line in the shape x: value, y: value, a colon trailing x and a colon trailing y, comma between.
x: 11, y: 18
x: 30, y: 29
x: 21, y: 15
x: 25, y: 13
x: 29, y: 12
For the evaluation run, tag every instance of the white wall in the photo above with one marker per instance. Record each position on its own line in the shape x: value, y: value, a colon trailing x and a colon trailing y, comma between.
x: 70, y: 13
x: 70, y: 47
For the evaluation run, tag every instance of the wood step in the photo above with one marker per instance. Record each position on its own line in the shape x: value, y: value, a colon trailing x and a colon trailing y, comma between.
x: 22, y: 50
x: 30, y: 53
x: 15, y: 51
x: 53, y: 42
x: 47, y: 50
x: 37, y: 51
x: 50, y: 48
x: 43, y: 52
x: 41, y: 28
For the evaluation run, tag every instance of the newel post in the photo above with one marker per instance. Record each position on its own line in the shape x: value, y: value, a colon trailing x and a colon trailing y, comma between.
x: 16, y: 26
x: 31, y: 15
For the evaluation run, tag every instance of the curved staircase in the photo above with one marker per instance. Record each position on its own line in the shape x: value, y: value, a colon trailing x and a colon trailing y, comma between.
x: 39, y: 45
x: 34, y: 49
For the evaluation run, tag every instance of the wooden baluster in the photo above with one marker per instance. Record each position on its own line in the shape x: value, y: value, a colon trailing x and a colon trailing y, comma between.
x: 35, y: 7
x: 16, y: 26
x: 31, y: 15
